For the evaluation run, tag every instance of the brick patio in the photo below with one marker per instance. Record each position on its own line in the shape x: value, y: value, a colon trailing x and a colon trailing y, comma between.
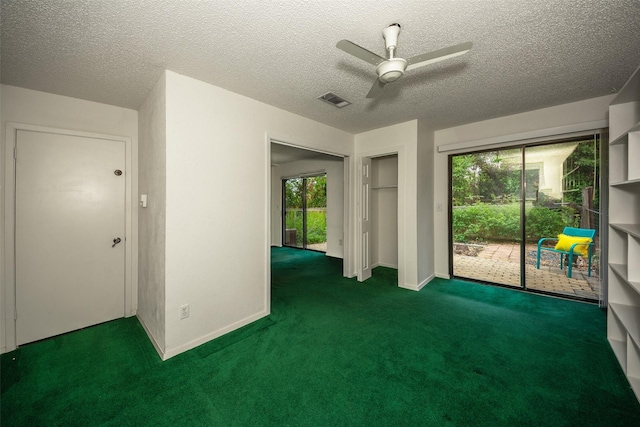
x: 500, y: 263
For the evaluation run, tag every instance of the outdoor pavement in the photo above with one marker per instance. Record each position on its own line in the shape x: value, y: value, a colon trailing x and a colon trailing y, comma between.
x: 500, y: 263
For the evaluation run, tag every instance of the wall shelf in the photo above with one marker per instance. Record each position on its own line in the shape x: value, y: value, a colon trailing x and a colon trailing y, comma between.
x: 622, y: 139
x: 628, y: 183
x: 623, y: 292
x: 620, y: 350
x: 632, y: 229
x: 629, y: 316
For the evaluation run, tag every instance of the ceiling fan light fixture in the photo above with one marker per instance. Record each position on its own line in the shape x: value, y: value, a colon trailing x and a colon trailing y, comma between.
x: 391, y: 70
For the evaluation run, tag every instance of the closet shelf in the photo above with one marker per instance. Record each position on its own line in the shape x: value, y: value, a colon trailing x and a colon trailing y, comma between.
x: 382, y: 187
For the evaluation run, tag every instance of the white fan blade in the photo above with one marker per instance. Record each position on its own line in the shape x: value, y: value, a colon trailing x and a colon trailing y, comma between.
x: 359, y: 52
x: 438, y: 55
x: 376, y: 89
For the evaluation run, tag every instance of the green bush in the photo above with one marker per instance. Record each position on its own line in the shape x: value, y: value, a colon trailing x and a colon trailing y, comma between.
x: 488, y: 222
x: 483, y: 221
x: 544, y: 222
x: 316, y: 226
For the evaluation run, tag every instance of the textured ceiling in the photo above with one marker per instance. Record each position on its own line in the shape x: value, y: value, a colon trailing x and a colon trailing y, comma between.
x: 527, y: 54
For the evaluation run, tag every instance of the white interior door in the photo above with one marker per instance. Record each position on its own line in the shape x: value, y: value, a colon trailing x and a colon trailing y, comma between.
x: 364, y: 272
x: 70, y: 225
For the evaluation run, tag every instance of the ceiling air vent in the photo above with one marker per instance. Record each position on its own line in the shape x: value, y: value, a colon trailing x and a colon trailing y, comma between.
x: 334, y: 100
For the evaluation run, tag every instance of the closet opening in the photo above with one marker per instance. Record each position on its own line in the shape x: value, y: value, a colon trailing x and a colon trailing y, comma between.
x: 380, y: 217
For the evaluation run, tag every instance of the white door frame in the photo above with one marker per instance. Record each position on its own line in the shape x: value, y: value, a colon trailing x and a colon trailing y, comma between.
x: 348, y: 269
x: 8, y: 288
x: 364, y: 218
x: 387, y: 151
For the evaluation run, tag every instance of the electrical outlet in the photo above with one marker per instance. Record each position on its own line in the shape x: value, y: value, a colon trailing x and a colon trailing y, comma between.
x: 340, y: 242
x: 184, y: 311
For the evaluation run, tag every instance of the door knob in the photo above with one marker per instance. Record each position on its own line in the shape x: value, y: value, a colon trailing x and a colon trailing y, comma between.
x: 116, y: 241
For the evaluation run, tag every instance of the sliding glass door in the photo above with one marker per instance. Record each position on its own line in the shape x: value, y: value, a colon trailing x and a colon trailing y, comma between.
x: 305, y: 212
x: 503, y: 202
x: 563, y: 192
x: 486, y: 205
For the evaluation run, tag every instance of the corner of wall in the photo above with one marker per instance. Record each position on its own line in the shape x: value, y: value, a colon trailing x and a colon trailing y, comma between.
x: 152, y: 219
x: 3, y: 279
x: 426, y: 214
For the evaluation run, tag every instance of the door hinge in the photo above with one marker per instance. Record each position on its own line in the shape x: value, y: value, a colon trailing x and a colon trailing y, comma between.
x: 15, y: 152
x: 15, y: 314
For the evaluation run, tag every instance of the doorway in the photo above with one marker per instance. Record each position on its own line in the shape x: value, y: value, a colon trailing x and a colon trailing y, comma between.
x: 70, y: 204
x: 330, y: 175
x: 379, y: 215
x: 304, y: 201
x: 504, y: 201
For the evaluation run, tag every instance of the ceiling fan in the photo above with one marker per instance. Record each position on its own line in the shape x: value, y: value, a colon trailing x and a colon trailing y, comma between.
x: 391, y: 69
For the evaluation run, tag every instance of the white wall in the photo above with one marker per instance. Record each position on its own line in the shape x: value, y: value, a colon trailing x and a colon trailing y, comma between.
x: 43, y: 109
x: 335, y: 199
x: 152, y: 219
x: 522, y: 126
x: 425, y: 189
x: 217, y: 229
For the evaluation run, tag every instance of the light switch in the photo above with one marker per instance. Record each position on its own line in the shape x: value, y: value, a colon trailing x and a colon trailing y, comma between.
x: 143, y: 200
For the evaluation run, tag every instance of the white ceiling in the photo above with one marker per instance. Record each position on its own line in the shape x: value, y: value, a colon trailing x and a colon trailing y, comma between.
x: 527, y: 54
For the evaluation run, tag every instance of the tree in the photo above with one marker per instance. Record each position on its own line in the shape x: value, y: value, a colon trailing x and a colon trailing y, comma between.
x: 317, y: 192
x: 464, y: 179
x: 293, y: 193
x: 483, y: 177
x: 581, y: 170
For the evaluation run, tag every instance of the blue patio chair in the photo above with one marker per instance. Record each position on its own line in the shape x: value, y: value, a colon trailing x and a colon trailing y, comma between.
x: 571, y: 232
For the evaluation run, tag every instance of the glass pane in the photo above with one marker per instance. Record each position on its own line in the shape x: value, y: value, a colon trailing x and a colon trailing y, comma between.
x: 293, y: 232
x: 562, y: 191
x: 486, y: 216
x: 316, y: 213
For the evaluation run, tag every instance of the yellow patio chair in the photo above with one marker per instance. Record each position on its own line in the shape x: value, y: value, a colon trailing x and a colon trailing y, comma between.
x: 572, y: 241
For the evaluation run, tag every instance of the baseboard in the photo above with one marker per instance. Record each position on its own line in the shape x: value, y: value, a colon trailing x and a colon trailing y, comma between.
x: 443, y: 276
x: 332, y: 255
x: 419, y: 285
x: 408, y: 286
x: 152, y: 338
x: 426, y: 281
x: 384, y: 264
x: 213, y: 335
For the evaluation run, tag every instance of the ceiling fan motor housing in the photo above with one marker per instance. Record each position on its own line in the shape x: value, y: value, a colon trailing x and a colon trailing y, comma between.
x: 390, y: 35
x: 391, y: 70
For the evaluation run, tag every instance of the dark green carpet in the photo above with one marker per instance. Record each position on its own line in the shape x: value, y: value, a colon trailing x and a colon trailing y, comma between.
x: 338, y: 352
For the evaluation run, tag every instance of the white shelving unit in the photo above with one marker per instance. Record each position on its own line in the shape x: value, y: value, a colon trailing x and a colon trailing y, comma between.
x: 623, y: 316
